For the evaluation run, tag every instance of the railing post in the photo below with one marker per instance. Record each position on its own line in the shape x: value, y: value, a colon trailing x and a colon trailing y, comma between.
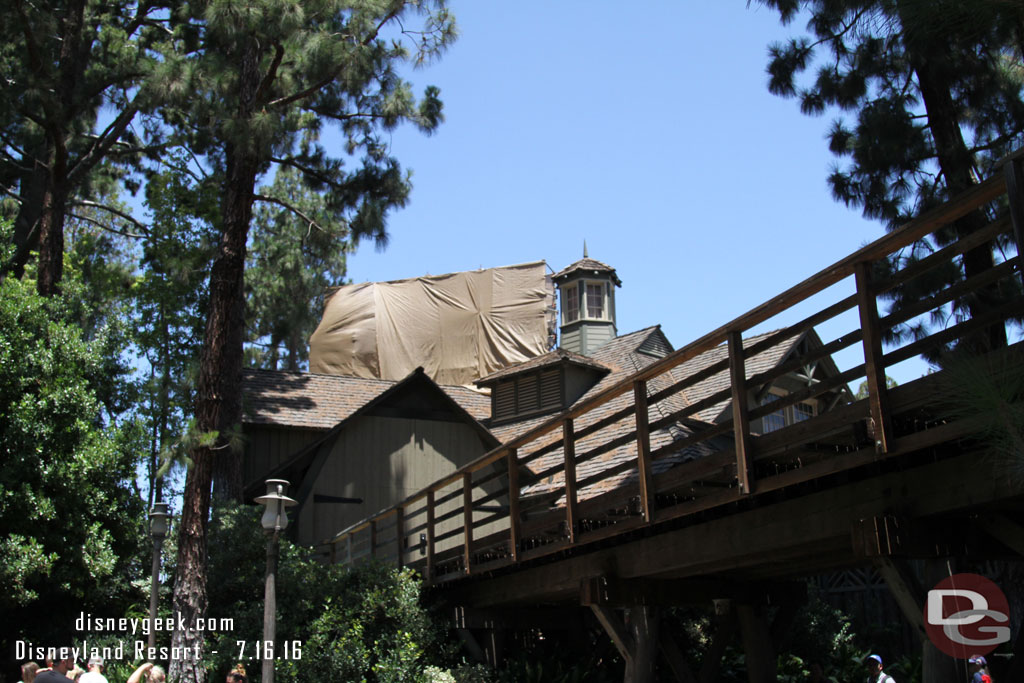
x: 740, y: 417
x: 514, y: 529
x: 467, y: 516
x: 569, y: 451
x: 873, y: 363
x: 430, y: 536
x: 1013, y: 174
x: 400, y: 535
x: 373, y: 538
x: 643, y: 449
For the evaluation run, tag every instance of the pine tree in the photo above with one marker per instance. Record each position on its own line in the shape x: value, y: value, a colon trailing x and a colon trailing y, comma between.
x: 62, y: 61
x: 295, y: 255
x: 256, y: 85
x: 930, y: 93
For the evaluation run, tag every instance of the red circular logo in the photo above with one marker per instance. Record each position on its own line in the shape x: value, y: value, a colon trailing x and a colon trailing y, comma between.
x: 966, y: 614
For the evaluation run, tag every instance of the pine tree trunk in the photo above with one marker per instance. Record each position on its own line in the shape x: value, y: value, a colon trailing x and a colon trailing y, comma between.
x: 925, y: 51
x: 219, y: 404
x: 50, y: 269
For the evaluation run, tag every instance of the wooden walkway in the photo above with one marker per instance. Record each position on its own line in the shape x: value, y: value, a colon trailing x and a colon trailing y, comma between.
x: 891, y: 475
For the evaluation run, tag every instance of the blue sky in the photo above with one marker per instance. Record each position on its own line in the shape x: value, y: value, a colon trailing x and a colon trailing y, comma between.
x: 646, y: 129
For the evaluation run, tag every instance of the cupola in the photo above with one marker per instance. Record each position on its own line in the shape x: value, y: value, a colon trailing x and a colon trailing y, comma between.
x: 587, y: 295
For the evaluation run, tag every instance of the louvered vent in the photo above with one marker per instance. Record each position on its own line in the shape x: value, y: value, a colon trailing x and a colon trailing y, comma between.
x: 551, y: 389
x: 527, y: 394
x: 504, y: 400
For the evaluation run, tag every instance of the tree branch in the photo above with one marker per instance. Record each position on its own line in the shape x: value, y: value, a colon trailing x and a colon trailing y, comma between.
x: 105, y: 227
x: 280, y: 202
x: 109, y: 209
x: 271, y: 72
x: 103, y: 143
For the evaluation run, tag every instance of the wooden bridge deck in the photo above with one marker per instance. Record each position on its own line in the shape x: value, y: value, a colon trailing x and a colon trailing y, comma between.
x: 896, y: 472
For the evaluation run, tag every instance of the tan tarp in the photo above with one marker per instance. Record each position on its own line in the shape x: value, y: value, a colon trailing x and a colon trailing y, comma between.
x: 458, y: 327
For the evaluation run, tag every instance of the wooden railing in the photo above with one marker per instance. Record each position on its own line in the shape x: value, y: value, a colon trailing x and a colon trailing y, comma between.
x: 605, y: 467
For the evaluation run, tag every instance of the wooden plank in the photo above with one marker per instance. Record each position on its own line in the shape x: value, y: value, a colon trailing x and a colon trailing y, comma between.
x: 1003, y: 529
x: 467, y: 519
x: 514, y: 522
x: 569, y: 451
x: 740, y: 421
x: 643, y: 449
x: 1014, y: 179
x: 613, y: 626
x: 429, y: 575
x: 873, y: 361
x: 905, y: 589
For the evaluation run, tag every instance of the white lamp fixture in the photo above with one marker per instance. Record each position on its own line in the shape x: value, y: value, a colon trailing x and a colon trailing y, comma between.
x: 275, y: 503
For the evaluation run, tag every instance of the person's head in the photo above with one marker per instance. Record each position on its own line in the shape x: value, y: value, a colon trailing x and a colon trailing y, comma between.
x: 157, y: 675
x: 873, y: 663
x: 95, y: 664
x: 238, y: 678
x: 28, y: 671
x: 978, y: 662
x: 64, y: 665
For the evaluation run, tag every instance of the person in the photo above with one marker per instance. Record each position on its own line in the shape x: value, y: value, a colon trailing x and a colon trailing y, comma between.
x: 28, y: 672
x: 148, y: 673
x: 237, y: 675
x: 980, y: 666
x: 58, y: 673
x: 95, y: 671
x: 875, y: 673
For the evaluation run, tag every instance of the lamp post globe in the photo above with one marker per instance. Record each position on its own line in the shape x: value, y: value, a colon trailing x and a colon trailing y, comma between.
x: 274, y: 521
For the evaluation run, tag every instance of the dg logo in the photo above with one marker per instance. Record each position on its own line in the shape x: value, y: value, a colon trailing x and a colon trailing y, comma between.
x: 966, y: 614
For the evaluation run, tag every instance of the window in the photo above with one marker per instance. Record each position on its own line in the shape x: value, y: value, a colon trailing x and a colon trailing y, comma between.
x: 570, y: 304
x: 772, y: 421
x: 529, y: 394
x: 798, y: 412
x: 595, y: 300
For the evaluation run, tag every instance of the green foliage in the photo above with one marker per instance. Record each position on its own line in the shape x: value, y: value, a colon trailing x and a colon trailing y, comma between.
x: 292, y: 261
x: 363, y: 624
x: 60, y: 461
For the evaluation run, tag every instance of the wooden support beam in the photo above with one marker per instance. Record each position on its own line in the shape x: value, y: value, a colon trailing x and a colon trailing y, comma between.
x: 430, y: 537
x: 514, y: 522
x: 1014, y: 176
x: 740, y: 419
x: 757, y: 643
x: 613, y: 626
x: 674, y: 657
x: 643, y: 449
x: 905, y: 589
x: 789, y: 604
x: 1003, y: 529
x: 725, y: 632
x: 467, y: 519
x: 373, y: 538
x: 571, y: 502
x: 873, y: 362
x: 616, y: 592
x: 469, y: 641
x: 642, y: 622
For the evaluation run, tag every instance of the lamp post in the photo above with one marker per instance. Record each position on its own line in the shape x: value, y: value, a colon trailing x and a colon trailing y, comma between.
x: 275, y: 519
x: 157, y: 531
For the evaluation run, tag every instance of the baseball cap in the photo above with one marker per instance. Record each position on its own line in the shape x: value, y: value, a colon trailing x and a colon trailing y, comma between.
x: 877, y: 658
x: 977, y: 659
x: 98, y: 661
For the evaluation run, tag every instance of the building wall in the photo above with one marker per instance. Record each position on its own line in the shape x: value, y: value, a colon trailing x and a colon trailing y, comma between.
x: 268, y: 446
x: 383, y: 460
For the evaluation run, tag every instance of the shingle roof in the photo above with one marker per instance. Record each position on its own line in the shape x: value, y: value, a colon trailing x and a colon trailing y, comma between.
x: 313, y: 401
x: 550, y: 358
x: 586, y: 265
x: 622, y: 354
